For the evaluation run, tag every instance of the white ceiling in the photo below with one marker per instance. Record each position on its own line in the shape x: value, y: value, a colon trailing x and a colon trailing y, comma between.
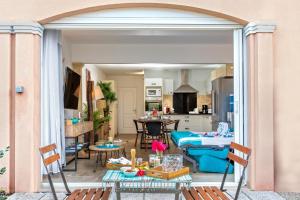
x: 138, y: 69
x: 148, y: 36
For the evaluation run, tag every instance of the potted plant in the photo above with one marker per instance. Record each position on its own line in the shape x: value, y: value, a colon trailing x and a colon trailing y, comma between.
x: 2, y: 171
x: 109, y: 96
x: 98, y: 122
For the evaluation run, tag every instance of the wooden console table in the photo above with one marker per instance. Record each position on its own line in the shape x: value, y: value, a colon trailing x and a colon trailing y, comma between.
x: 74, y: 131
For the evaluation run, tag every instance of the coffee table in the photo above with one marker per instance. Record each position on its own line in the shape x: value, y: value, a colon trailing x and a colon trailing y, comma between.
x: 144, y: 184
x: 115, y: 151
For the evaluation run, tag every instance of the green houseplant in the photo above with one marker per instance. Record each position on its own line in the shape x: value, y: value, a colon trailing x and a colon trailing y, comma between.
x: 98, y: 119
x: 109, y: 96
x: 2, y: 171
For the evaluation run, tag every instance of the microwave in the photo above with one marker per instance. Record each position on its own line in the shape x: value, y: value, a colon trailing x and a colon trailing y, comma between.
x: 153, y: 92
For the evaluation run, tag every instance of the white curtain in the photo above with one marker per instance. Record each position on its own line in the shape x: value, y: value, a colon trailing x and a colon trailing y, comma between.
x: 52, y: 83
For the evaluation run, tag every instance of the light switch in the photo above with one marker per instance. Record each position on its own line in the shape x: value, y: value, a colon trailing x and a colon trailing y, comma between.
x: 19, y: 89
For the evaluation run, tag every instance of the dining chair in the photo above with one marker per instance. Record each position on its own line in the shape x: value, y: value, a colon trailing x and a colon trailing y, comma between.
x: 153, y: 130
x: 213, y: 192
x: 138, y: 130
x: 169, y: 130
x: 78, y: 194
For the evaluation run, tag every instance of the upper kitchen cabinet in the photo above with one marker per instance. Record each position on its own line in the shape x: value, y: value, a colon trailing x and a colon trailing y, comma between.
x: 227, y: 70
x: 168, y: 87
x: 154, y: 82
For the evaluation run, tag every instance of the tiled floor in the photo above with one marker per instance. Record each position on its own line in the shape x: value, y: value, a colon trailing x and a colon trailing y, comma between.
x: 245, y: 194
x: 85, y: 174
x: 85, y: 167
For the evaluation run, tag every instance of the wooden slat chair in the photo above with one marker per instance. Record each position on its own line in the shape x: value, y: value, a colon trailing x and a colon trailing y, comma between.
x: 79, y: 194
x: 213, y: 192
x: 168, y: 130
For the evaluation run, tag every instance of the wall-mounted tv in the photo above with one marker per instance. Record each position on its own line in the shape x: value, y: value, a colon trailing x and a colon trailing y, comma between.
x: 72, y: 87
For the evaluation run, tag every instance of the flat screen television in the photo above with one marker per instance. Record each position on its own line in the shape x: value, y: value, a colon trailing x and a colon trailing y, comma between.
x: 72, y: 87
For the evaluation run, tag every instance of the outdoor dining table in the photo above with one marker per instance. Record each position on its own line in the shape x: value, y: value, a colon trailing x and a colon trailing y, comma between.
x: 144, y: 184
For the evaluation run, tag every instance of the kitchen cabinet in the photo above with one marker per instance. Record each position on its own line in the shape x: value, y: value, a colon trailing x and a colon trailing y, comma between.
x: 222, y: 72
x: 168, y: 87
x: 198, y: 123
x: 153, y: 82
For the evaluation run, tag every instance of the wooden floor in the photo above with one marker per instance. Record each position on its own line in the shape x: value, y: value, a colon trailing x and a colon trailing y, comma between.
x: 85, y: 167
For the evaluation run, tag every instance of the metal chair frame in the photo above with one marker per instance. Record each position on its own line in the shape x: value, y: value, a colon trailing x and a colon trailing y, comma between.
x: 138, y: 131
x: 241, y: 177
x: 160, y: 135
x: 231, y: 158
x: 49, y: 173
x: 79, y: 194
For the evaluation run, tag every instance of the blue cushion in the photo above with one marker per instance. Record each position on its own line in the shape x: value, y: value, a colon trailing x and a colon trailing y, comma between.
x: 222, y: 153
x: 177, y: 135
x: 213, y: 165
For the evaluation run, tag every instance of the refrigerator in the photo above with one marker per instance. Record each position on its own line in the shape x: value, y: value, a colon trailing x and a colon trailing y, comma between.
x: 222, y: 90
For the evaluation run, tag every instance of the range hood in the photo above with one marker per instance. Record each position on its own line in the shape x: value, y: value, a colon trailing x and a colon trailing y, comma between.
x: 184, y: 86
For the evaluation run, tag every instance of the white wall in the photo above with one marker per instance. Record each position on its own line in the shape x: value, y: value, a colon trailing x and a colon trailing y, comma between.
x: 152, y: 53
x: 66, y: 52
x: 200, y: 80
x: 96, y: 75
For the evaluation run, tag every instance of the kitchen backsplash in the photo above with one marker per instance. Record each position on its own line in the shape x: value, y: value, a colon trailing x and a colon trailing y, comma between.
x: 204, y: 100
x: 168, y: 100
x: 201, y: 100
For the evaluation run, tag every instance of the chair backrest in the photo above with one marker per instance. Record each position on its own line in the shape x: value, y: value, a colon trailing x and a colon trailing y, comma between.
x: 51, y: 159
x: 176, y: 124
x: 237, y: 159
x: 136, y: 125
x: 154, y: 128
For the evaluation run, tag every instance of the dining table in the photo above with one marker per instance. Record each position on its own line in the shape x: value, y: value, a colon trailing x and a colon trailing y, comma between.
x: 144, y: 184
x: 165, y: 122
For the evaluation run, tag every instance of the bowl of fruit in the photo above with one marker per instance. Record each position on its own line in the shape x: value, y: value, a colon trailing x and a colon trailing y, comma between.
x: 128, y: 172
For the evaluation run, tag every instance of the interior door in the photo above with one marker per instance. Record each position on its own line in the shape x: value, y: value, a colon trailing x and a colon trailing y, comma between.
x: 127, y: 110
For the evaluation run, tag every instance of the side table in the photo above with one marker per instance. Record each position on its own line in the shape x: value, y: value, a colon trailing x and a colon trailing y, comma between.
x: 101, y: 150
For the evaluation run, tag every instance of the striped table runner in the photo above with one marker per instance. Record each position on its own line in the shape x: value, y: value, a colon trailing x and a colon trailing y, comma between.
x: 113, y: 176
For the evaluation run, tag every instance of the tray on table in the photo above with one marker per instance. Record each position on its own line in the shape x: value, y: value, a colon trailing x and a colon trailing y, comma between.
x: 115, y: 166
x: 158, y: 172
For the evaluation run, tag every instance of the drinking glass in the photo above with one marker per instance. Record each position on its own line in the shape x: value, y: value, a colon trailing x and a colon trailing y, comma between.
x: 172, y: 162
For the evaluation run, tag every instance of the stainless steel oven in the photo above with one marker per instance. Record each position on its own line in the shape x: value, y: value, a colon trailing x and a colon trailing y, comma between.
x: 153, y: 104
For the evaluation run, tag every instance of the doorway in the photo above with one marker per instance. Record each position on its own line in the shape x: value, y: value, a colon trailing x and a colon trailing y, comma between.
x: 180, y: 23
x: 127, y: 111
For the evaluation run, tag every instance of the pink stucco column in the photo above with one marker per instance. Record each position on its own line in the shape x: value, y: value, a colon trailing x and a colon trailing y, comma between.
x: 6, y: 108
x: 20, y: 52
x: 261, y: 100
x: 27, y: 112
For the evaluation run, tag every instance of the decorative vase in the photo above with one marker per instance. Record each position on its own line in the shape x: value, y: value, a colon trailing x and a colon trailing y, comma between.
x: 160, y: 155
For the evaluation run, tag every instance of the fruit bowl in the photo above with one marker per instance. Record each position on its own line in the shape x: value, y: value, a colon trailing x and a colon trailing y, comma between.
x: 128, y: 172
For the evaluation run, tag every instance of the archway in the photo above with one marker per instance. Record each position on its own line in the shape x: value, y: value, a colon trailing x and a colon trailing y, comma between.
x: 143, y: 17
x: 143, y: 5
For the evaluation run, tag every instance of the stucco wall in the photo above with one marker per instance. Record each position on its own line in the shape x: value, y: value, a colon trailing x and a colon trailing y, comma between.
x: 287, y: 47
